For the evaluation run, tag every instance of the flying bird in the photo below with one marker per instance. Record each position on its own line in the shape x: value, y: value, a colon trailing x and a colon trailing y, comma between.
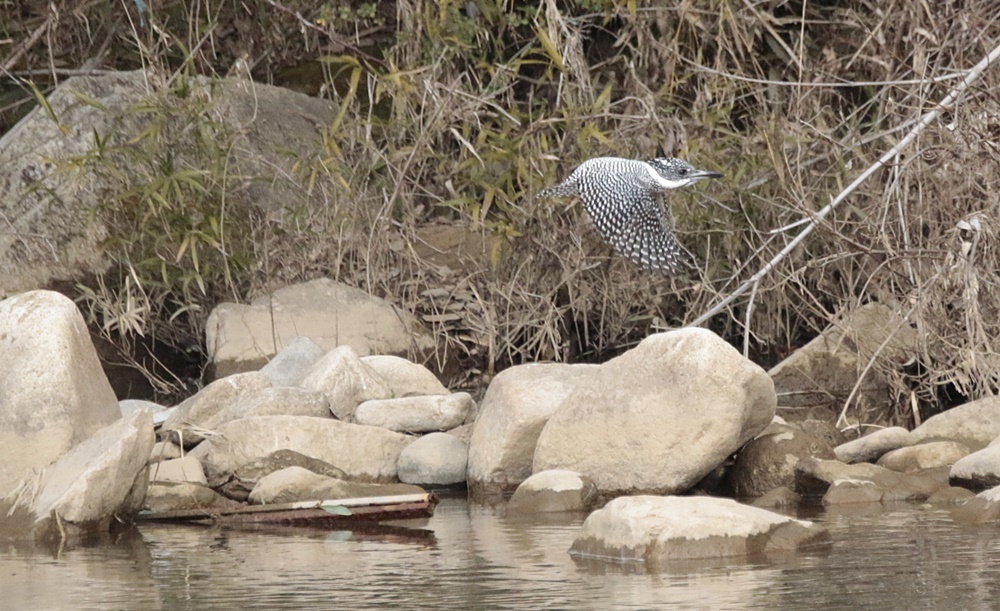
x: 620, y: 196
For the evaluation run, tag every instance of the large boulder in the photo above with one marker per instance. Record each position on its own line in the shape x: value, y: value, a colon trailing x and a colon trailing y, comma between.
x: 840, y: 482
x: 423, y: 414
x: 924, y: 456
x: 89, y: 486
x: 436, y: 459
x: 185, y: 469
x: 346, y: 381
x: 825, y: 371
x: 975, y: 424
x: 242, y: 337
x: 290, y: 365
x: 297, y: 484
x: 53, y: 392
x: 979, y: 470
x: 873, y: 445
x: 213, y: 405
x: 404, y: 377
x: 517, y: 404
x: 49, y: 232
x: 170, y: 496
x: 362, y: 452
x: 551, y: 491
x: 238, y: 484
x: 659, y: 417
x: 768, y: 461
x: 660, y: 530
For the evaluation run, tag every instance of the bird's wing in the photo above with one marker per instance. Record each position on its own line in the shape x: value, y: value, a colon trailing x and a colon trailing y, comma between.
x: 628, y: 216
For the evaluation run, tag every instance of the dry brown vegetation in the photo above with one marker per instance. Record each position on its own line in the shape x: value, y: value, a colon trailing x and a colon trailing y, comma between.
x: 457, y: 115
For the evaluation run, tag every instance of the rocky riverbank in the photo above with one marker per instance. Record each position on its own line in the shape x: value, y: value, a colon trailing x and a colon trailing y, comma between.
x: 655, y: 431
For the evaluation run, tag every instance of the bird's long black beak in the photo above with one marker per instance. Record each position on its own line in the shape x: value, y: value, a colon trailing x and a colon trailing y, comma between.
x: 700, y: 174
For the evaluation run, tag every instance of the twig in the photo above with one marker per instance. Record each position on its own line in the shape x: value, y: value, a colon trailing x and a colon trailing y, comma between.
x: 329, y: 33
x: 22, y: 48
x: 972, y: 76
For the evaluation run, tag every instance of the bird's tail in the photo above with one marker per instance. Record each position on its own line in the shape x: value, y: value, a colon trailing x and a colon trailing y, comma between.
x: 564, y: 189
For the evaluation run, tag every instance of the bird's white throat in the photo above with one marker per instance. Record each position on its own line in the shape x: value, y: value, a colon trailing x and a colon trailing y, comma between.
x: 665, y: 183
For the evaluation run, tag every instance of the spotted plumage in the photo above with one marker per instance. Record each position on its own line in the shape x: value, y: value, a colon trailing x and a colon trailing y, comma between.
x: 620, y: 196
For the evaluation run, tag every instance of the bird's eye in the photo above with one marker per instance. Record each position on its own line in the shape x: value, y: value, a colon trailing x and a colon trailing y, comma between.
x: 682, y: 171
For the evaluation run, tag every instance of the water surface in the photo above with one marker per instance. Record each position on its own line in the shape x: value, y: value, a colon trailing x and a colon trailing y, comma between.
x: 471, y: 557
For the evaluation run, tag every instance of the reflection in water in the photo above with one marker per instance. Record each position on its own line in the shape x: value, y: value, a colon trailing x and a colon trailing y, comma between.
x: 471, y: 557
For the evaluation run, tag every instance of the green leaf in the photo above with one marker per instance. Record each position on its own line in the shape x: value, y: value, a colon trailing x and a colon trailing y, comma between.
x: 338, y: 510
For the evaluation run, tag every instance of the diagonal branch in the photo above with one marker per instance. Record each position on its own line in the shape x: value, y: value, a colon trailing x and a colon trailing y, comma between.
x: 972, y: 76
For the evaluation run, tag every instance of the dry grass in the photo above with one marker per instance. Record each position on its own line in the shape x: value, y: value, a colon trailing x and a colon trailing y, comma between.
x: 452, y: 118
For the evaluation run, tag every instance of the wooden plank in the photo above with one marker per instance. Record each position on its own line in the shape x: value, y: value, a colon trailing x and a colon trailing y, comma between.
x: 369, y: 508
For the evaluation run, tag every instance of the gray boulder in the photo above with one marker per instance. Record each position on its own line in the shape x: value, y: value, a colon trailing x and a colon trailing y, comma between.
x: 517, y: 405
x: 975, y: 424
x: 49, y: 232
x: 873, y: 445
x: 164, y: 450
x: 290, y: 365
x: 297, y: 484
x: 186, y: 469
x: 89, y: 486
x: 212, y: 406
x: 923, y: 456
x: 238, y: 484
x: 127, y: 406
x: 280, y: 401
x: 346, y: 381
x: 552, y: 491
x: 171, y: 496
x: 660, y: 530
x: 53, y: 392
x: 368, y: 453
x: 435, y: 459
x: 404, y: 377
x: 825, y: 371
x: 243, y: 337
x: 861, y: 482
x: 979, y: 470
x: 768, y: 461
x: 659, y: 417
x: 421, y: 414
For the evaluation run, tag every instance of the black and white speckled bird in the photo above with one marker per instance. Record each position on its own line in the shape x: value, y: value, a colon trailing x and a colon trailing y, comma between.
x: 620, y: 196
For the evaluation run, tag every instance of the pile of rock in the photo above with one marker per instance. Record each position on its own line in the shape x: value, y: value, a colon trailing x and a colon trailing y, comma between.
x: 310, y: 424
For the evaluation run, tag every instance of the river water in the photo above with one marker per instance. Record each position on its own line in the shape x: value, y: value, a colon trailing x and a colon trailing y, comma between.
x: 472, y: 557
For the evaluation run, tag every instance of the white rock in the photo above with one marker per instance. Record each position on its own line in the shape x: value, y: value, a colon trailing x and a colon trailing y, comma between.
x: 975, y: 424
x: 280, y: 401
x: 873, y: 445
x: 297, y: 484
x: 518, y: 403
x: 659, y: 417
x: 658, y: 530
x: 289, y: 366
x: 127, y: 406
x: 53, y: 392
x: 187, y: 469
x: 91, y: 483
x: 164, y: 450
x: 403, y: 377
x: 421, y: 414
x: 436, y: 459
x: 212, y: 406
x: 346, y: 381
x: 825, y: 371
x: 555, y: 490
x: 242, y: 337
x: 978, y: 470
x: 362, y: 452
x: 922, y: 456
